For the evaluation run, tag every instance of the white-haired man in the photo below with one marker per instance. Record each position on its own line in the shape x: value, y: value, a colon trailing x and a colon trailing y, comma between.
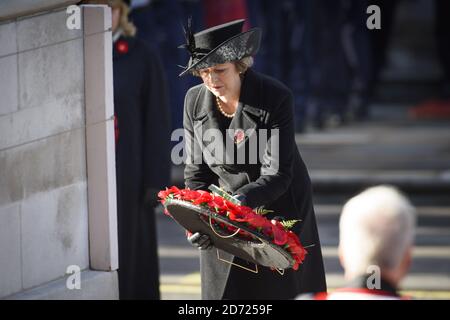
x: 375, y: 246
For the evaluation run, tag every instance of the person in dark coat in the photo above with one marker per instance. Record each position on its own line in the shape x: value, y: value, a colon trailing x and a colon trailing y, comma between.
x: 235, y: 99
x: 142, y: 162
x: 142, y: 154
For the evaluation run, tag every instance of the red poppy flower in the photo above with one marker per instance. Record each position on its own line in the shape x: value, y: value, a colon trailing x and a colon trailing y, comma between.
x: 279, y: 234
x: 295, y: 247
x: 239, y: 136
x: 204, y: 197
x: 259, y: 221
x: 122, y: 46
x: 218, y: 205
x: 188, y: 195
x: 163, y: 194
x: 237, y: 216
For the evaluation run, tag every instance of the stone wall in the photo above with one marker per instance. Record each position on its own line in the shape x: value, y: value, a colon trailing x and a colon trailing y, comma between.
x: 44, y: 200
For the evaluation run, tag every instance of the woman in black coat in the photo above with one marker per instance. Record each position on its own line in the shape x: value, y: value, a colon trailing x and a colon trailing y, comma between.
x: 239, y: 103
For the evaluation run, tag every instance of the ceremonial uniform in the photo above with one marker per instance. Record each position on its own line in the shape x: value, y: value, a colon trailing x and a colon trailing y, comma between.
x: 357, y: 290
x: 142, y: 163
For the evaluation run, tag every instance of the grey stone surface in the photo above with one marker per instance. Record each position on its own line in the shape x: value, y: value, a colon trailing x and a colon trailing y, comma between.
x: 10, y: 275
x: 41, y: 166
x: 43, y: 153
x: 8, y: 86
x: 97, y: 18
x: 98, y: 78
x: 32, y: 124
x: 51, y: 75
x: 100, y: 143
x: 54, y: 234
x: 15, y: 8
x: 8, y: 38
x: 45, y: 29
x: 94, y: 285
x: 102, y: 196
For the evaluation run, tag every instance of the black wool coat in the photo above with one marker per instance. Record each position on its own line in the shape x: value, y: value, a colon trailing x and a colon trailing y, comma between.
x: 142, y: 163
x: 265, y: 103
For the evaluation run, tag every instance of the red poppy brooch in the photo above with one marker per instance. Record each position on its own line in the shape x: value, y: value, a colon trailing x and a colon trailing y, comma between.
x: 122, y: 46
x: 239, y: 136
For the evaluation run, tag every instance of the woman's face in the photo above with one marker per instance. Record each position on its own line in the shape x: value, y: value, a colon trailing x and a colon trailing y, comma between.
x: 222, y: 79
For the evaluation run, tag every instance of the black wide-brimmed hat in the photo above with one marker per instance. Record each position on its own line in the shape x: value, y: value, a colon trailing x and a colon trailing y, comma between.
x: 220, y: 44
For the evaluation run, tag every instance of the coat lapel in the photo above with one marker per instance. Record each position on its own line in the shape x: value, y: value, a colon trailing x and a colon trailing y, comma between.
x: 245, y: 121
x: 249, y: 112
x: 206, y: 119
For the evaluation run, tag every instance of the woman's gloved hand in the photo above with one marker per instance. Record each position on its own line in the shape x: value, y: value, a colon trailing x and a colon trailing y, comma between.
x: 199, y: 240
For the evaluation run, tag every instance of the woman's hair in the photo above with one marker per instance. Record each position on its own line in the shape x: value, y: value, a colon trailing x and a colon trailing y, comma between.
x: 241, y: 66
x: 127, y: 26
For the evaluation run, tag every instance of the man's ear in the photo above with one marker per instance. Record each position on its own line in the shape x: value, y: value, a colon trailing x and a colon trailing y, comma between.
x: 341, y: 256
x: 406, y: 261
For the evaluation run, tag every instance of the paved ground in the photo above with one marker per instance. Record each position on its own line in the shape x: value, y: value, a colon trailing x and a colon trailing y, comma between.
x: 414, y: 155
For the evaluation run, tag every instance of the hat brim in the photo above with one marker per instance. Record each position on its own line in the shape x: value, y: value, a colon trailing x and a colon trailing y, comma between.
x: 240, y: 46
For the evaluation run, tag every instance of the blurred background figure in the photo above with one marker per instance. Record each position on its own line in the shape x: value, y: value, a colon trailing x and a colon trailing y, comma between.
x: 159, y: 23
x: 142, y: 153
x: 439, y: 107
x: 380, y: 39
x: 284, y: 52
x: 376, y: 229
x: 340, y: 61
x: 219, y: 12
x: 334, y: 64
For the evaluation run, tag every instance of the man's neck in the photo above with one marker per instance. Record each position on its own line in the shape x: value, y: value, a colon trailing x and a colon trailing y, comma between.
x: 366, y: 282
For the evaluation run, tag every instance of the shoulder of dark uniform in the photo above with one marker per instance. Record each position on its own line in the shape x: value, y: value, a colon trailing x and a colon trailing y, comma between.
x: 141, y: 52
x: 144, y: 49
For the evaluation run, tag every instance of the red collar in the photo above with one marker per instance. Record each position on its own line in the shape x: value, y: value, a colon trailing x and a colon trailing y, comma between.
x: 324, y: 295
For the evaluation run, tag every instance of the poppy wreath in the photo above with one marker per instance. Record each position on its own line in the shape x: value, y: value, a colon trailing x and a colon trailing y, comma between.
x: 277, y: 231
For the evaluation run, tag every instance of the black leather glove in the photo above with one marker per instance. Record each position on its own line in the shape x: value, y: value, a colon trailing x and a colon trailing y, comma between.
x: 201, y: 241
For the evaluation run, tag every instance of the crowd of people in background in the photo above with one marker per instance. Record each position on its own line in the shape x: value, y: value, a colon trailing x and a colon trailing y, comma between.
x: 322, y: 50
x: 319, y: 49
